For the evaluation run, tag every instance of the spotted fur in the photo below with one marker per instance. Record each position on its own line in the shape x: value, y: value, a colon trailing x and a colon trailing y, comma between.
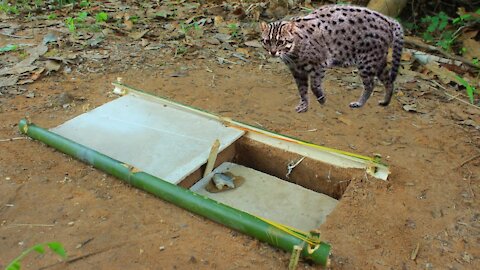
x: 337, y: 35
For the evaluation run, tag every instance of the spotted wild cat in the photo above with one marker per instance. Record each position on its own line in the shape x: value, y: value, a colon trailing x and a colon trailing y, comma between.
x: 336, y: 35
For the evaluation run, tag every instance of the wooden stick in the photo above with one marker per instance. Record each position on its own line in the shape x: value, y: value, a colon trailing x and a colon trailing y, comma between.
x: 468, y: 160
x: 29, y: 225
x: 212, y: 157
x: 452, y: 96
x: 13, y: 139
x: 421, y: 44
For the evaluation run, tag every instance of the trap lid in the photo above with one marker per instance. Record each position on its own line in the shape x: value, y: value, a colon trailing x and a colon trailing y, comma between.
x: 152, y: 136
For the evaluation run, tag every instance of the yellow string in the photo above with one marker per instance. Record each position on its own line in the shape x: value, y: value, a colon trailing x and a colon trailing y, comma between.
x: 292, y: 231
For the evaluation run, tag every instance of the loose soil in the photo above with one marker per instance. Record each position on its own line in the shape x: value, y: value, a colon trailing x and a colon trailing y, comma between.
x: 431, y: 199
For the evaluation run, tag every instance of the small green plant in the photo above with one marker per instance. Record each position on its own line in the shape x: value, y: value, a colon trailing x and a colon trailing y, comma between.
x: 468, y: 88
x: 84, y: 3
x: 185, y: 28
x: 8, y: 48
x: 234, y: 28
x: 475, y: 61
x: 8, y: 8
x: 72, y: 23
x: 61, y: 3
x: 436, y: 28
x: 55, y: 247
x: 444, y: 30
x: 52, y: 16
x: 134, y: 19
x: 101, y: 17
x: 180, y: 50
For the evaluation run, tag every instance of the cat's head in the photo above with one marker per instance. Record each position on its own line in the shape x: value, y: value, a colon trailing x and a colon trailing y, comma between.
x: 277, y: 37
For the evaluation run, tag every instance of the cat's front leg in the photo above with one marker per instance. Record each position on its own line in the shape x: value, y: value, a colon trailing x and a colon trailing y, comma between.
x: 301, y: 78
x: 317, y: 77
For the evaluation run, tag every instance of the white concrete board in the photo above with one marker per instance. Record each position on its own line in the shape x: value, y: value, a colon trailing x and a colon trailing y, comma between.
x: 155, y: 138
x: 272, y: 198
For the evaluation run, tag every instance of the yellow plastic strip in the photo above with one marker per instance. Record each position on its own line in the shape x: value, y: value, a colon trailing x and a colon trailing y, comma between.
x: 292, y: 231
x: 324, y: 148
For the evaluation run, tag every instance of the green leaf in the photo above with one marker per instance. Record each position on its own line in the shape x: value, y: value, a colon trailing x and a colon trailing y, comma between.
x: 443, y: 24
x: 57, y: 248
x: 8, y: 47
x: 468, y: 88
x: 15, y: 265
x: 443, y: 16
x: 82, y: 16
x: 134, y: 18
x: 84, y: 3
x: 465, y: 17
x: 426, y: 19
x: 39, y: 248
x: 70, y: 22
x: 101, y: 17
x: 427, y: 36
x: 433, y: 25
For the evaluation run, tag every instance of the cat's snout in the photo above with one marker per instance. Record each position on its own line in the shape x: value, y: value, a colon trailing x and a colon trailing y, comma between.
x: 274, y: 53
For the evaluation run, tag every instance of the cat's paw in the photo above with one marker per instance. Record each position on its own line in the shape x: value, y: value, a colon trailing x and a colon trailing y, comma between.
x: 383, y: 103
x: 322, y: 100
x: 302, y: 107
x: 355, y: 104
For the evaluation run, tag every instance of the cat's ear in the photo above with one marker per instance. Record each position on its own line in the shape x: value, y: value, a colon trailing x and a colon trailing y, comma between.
x: 290, y: 27
x: 263, y: 26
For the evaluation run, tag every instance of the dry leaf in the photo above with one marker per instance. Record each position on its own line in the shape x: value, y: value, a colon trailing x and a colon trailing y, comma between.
x: 8, y: 81
x: 344, y: 120
x: 37, y: 74
x: 410, y: 107
x: 138, y: 35
x: 128, y: 23
x: 445, y: 75
x: 52, y: 66
x: 406, y: 56
x: 253, y: 43
x: 473, y: 49
x: 16, y: 70
x: 218, y: 21
x: 243, y: 51
x: 414, y: 254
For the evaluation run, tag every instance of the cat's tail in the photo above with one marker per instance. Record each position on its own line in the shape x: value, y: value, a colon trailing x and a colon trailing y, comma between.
x: 397, y: 46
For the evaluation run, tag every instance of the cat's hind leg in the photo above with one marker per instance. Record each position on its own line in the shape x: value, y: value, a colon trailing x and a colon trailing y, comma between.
x: 384, y: 75
x: 367, y: 78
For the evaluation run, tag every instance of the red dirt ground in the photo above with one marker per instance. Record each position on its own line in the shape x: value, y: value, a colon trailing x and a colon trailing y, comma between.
x: 430, y: 199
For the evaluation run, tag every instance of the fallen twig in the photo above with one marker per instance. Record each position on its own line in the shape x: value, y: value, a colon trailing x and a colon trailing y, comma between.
x: 452, y: 96
x: 468, y: 160
x: 116, y: 28
x: 418, y: 43
x: 425, y: 58
x: 84, y: 256
x: 15, y: 36
x: 29, y: 225
x: 13, y: 139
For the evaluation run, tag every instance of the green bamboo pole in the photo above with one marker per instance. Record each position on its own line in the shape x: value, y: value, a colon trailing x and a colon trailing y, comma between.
x: 191, y: 201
